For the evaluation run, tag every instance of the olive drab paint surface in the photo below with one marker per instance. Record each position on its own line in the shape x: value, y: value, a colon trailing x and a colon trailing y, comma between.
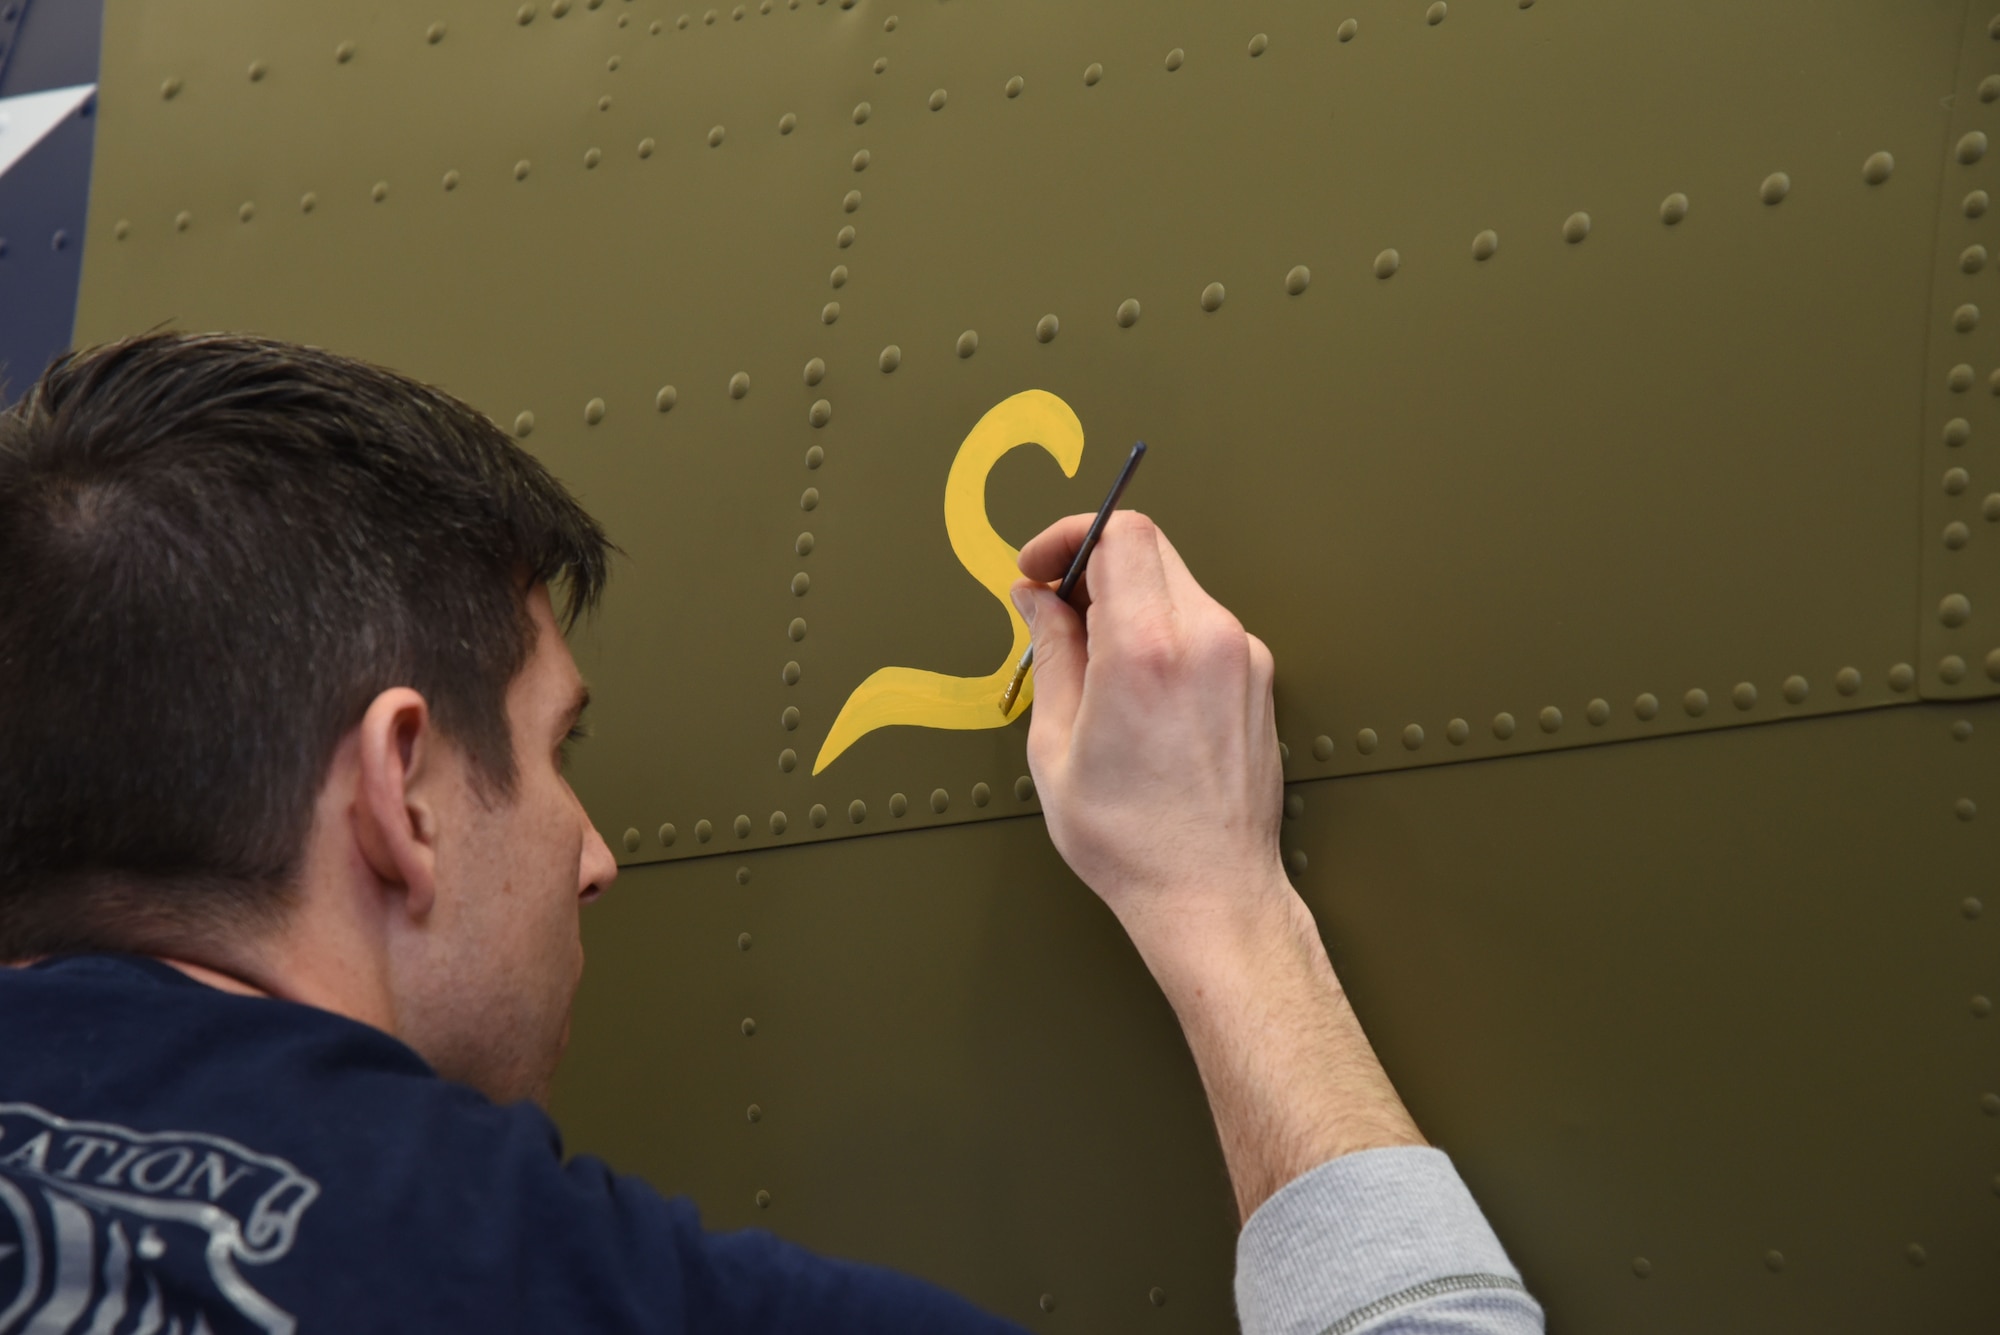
x: 1604, y: 394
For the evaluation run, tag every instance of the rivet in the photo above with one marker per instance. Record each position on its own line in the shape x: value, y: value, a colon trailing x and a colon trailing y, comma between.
x: 1047, y: 1302
x: 797, y: 630
x: 1598, y: 712
x: 1322, y: 748
x: 1955, y: 480
x: 857, y: 811
x: 1647, y: 707
x: 1961, y: 730
x: 1015, y: 85
x: 1413, y: 737
x: 937, y: 99
x: 838, y: 278
x: 1259, y: 45
x: 1965, y: 808
x: 851, y: 201
x: 815, y: 456
x: 380, y: 191
x: 844, y: 237
x: 1457, y: 731
x: 1972, y: 147
x: 591, y: 157
x: 862, y: 111
x: 940, y: 800
x: 1878, y: 168
x: 817, y: 816
x: 560, y: 8
x: 1993, y: 664
x: 1956, y: 535
x: 1365, y: 741
x: 1796, y: 690
x: 450, y: 181
x: 667, y: 835
x: 631, y: 841
x: 1990, y: 1104
x: 244, y: 214
x: 1024, y: 788
x: 1156, y: 1296
x: 829, y: 312
x: 1774, y: 1261
x: 1485, y: 245
x: 1175, y: 59
x: 170, y: 88
x: 981, y: 794
x: 665, y: 400
x: 968, y: 343
x: 898, y: 804
x: 1298, y: 280
x: 612, y: 64
x: 123, y: 229
x: 1091, y: 74
x: 1435, y: 14
x: 344, y: 52
x: 1673, y: 209
x: 1128, y: 313
x: 803, y: 544
x: 816, y: 369
x: 1695, y: 702
x: 801, y: 584
x: 861, y: 161
x: 742, y: 827
x: 1387, y: 263
x: 881, y: 64
x: 788, y: 760
x: 779, y: 822
x: 1847, y: 681
x: 1744, y: 696
x: 1047, y: 328
x: 1641, y: 1267
x: 743, y: 943
x: 1989, y: 88
x: 703, y: 831
x: 524, y: 423
x: 749, y: 1027
x: 1993, y: 27
x: 789, y: 719
x: 1972, y: 259
x: 1915, y: 1254
x: 1951, y: 669
x: 1990, y: 507
x: 258, y: 70
x: 1981, y: 1007
x: 1296, y: 860
x: 1954, y: 610
x: 1503, y: 726
x: 787, y: 123
x: 654, y: 28
x: 1776, y: 186
x: 1211, y: 297
x: 715, y: 135
x: 646, y: 148
x: 1975, y: 204
x: 1959, y: 378
x: 1551, y: 719
x: 604, y: 103
x: 891, y: 358
x: 889, y: 24
x: 521, y: 170
x: 739, y: 384
x: 1576, y: 227
x: 681, y: 22
x: 524, y: 15
x: 1966, y: 318
x: 1284, y: 754
x: 754, y: 1113
x: 1971, y: 907
x: 593, y: 412
x: 1345, y: 32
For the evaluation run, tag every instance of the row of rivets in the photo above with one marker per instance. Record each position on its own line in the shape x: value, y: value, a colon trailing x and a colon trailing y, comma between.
x: 1645, y: 707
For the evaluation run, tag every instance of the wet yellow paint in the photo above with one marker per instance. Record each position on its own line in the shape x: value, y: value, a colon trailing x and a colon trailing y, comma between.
x: 913, y: 697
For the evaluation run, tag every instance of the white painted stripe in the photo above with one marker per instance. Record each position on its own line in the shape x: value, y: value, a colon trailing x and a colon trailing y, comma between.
x: 25, y: 120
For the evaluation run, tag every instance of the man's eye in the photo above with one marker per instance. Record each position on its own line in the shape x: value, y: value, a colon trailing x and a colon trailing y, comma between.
x: 576, y: 734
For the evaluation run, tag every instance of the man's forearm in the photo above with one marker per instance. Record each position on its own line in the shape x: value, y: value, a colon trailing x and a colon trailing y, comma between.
x: 1291, y: 1078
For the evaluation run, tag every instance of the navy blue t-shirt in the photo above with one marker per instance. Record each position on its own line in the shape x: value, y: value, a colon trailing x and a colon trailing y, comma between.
x: 175, y: 1159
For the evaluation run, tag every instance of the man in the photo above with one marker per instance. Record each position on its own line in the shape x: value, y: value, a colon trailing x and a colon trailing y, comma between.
x: 292, y: 876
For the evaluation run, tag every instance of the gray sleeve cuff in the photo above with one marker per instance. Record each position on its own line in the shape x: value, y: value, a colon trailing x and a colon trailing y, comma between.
x: 1376, y: 1242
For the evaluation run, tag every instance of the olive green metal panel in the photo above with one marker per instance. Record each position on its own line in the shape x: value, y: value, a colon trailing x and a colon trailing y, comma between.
x: 1704, y: 1021
x: 1527, y: 378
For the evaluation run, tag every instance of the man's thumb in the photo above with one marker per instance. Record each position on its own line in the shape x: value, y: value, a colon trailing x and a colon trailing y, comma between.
x: 1059, y: 653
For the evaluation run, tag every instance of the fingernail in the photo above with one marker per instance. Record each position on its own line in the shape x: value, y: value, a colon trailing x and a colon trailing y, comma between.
x: 1025, y: 600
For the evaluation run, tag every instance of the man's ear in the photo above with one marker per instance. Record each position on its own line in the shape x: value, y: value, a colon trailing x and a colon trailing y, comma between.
x: 395, y: 810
